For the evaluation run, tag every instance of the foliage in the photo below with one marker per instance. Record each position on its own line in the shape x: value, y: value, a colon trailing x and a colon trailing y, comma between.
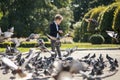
x: 106, y: 17
x: 96, y: 39
x: 83, y: 6
x: 77, y: 32
x: 24, y: 44
x: 106, y: 21
x: 45, y: 38
x: 116, y: 21
x: 34, y: 16
x: 61, y: 3
x: 94, y: 15
x: 67, y: 15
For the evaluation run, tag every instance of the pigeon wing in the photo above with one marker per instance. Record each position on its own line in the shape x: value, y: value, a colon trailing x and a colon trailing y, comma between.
x: 12, y: 29
x: 9, y: 63
x: 111, y: 33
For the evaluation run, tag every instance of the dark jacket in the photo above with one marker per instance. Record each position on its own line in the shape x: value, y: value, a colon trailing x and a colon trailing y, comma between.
x: 53, y: 29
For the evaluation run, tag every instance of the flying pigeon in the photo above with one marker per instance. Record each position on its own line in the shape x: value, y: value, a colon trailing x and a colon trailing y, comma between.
x: 33, y: 36
x: 11, y: 29
x: 13, y: 66
x: 92, y: 20
x: 113, y: 35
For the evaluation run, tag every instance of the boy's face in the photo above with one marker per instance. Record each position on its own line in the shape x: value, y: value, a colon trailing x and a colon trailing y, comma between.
x: 58, y: 21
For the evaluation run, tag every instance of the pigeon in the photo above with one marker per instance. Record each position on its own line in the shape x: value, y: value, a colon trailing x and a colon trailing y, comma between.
x: 113, y: 35
x: 30, y: 52
x: 33, y: 36
x: 8, y: 49
x: 108, y: 57
x: 13, y: 66
x: 21, y: 62
x: 87, y: 56
x: 16, y: 42
x: 46, y: 72
x: 70, y: 51
x: 11, y: 29
x: 92, y: 21
x: 93, y: 56
x: 92, y: 72
x: 29, y: 58
x: 116, y: 63
x: 8, y: 33
x: 18, y: 57
x: 101, y: 58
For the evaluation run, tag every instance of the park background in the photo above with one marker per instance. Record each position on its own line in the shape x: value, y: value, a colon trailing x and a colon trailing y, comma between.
x: 34, y: 16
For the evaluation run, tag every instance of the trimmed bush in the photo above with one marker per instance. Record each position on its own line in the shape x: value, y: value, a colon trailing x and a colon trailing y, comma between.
x: 86, y: 37
x: 84, y: 24
x: 77, y: 32
x: 107, y: 17
x: 24, y: 44
x: 106, y: 21
x: 96, y: 39
x: 96, y: 12
x: 116, y: 21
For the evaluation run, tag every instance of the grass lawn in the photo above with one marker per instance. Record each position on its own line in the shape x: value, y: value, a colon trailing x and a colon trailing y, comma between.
x: 80, y: 45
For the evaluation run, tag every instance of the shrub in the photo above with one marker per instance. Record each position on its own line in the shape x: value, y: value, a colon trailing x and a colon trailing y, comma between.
x: 106, y: 21
x: 86, y: 37
x: 107, y: 17
x: 84, y: 24
x: 116, y: 21
x: 44, y: 38
x: 24, y: 44
x: 96, y: 39
x: 77, y: 32
x: 96, y: 12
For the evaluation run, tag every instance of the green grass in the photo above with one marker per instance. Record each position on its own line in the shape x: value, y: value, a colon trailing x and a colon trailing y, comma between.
x: 80, y: 45
x: 89, y: 45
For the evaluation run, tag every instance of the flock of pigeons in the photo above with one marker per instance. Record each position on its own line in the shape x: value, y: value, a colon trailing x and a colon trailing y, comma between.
x: 37, y: 67
x: 33, y: 66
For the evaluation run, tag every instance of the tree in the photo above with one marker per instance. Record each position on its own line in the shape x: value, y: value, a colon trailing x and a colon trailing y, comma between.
x: 80, y: 7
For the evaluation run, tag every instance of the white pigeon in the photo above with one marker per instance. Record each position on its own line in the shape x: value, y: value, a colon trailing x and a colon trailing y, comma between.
x: 113, y: 35
x: 8, y: 34
x: 9, y: 63
x: 11, y: 29
x: 33, y: 36
x: 21, y: 73
x: 1, y: 31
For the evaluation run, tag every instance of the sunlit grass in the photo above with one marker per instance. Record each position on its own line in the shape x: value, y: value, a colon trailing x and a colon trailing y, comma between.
x: 79, y: 45
x: 89, y: 45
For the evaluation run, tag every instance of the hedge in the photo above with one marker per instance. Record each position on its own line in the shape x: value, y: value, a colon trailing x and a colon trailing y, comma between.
x: 95, y: 13
x: 106, y: 21
x: 96, y: 39
x: 116, y: 21
x: 24, y: 44
x: 84, y: 24
x: 107, y: 17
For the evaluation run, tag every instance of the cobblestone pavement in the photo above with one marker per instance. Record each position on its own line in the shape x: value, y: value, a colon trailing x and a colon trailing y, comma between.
x: 79, y: 54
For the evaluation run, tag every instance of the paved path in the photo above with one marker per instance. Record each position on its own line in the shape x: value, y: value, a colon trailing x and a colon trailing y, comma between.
x: 81, y: 53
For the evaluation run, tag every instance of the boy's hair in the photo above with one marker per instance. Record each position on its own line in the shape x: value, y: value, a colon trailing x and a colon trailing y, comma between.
x: 58, y: 17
